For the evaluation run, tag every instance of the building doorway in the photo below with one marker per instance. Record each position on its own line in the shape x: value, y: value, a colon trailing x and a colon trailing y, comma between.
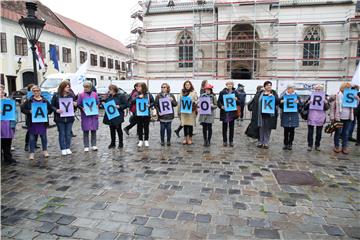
x: 242, y: 51
x: 28, y: 77
x: 11, y: 84
x: 241, y: 73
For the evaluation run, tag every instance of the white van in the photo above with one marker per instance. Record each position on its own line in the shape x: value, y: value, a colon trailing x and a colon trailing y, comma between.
x: 52, y: 81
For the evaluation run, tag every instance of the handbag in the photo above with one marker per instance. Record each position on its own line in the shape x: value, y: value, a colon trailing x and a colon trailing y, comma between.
x: 304, y: 113
x: 153, y: 115
x: 252, y: 130
x: 331, y: 127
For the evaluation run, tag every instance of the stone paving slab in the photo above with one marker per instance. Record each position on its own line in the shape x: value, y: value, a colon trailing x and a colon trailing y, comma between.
x: 180, y: 192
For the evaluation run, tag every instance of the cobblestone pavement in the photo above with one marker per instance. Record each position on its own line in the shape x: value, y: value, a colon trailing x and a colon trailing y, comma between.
x: 181, y: 192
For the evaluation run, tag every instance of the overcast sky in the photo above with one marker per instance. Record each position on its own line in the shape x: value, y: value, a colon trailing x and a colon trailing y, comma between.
x: 111, y: 17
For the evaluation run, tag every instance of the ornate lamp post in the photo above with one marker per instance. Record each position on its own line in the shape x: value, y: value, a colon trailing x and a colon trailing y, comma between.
x: 32, y: 27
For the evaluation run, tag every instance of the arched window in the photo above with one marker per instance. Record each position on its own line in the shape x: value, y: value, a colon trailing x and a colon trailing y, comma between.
x: 185, y: 50
x: 312, y: 49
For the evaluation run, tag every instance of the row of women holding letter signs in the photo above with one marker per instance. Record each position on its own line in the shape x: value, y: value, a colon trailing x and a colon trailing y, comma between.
x: 268, y: 106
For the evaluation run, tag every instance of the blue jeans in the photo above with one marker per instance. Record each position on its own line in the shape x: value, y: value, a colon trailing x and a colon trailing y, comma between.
x: 352, y: 128
x: 64, y: 134
x: 165, y: 126
x: 343, y: 134
x: 32, y: 142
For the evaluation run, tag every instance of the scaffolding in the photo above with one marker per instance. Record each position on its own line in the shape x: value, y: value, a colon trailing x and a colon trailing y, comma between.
x: 227, y: 44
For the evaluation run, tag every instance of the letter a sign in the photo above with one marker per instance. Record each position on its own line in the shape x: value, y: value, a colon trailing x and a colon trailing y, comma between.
x: 39, y: 112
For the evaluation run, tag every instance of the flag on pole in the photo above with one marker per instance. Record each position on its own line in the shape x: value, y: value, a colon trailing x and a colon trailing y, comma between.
x: 79, y: 78
x: 356, y: 78
x: 39, y: 56
x: 53, y: 57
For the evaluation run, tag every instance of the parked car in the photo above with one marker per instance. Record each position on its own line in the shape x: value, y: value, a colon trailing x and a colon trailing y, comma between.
x: 103, y: 93
x: 18, y: 95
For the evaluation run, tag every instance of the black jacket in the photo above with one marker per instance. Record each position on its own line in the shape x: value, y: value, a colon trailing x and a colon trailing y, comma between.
x: 119, y: 99
x: 146, y: 95
x: 26, y: 108
x: 271, y: 119
x: 220, y: 103
x: 55, y: 106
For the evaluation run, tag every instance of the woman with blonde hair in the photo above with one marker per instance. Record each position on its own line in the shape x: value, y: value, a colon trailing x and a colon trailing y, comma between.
x: 345, y: 115
x: 166, y: 118
x: 36, y: 128
x: 89, y: 124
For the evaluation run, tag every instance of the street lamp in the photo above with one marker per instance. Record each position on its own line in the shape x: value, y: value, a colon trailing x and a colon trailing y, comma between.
x: 32, y: 27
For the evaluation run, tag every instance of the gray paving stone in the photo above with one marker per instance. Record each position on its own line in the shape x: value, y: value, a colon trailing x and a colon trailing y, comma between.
x: 353, y: 232
x: 203, y: 218
x: 107, y: 236
x: 239, y: 205
x: 207, y: 193
x: 64, y: 231
x: 66, y: 219
x: 169, y: 214
x: 109, y: 226
x: 266, y: 233
x: 46, y: 227
x: 139, y: 220
x: 50, y: 217
x: 26, y: 234
x: 99, y: 206
x: 333, y: 230
x: 186, y: 216
x: 154, y: 212
x: 143, y: 231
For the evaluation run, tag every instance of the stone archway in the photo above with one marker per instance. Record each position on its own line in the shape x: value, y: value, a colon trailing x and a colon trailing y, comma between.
x: 242, y: 44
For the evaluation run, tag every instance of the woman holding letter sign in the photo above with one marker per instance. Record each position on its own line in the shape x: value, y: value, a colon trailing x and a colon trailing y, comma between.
x: 289, y: 104
x: 114, y: 121
x: 340, y: 112
x: 187, y: 110
x: 207, y: 112
x: 63, y: 103
x: 7, y: 131
x: 228, y: 101
x: 317, y: 104
x: 143, y: 101
x: 265, y: 113
x: 88, y: 102
x: 165, y: 103
x: 37, y: 109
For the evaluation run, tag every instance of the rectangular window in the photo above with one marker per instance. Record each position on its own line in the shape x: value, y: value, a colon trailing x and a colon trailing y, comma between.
x: 102, y: 61
x: 43, y: 50
x: 110, y: 63
x: 3, y: 43
x: 123, y: 66
x: 57, y: 50
x: 83, y: 56
x: 21, y: 47
x: 93, y: 60
x: 186, y: 55
x: 117, y: 65
x: 311, y: 51
x: 66, y: 55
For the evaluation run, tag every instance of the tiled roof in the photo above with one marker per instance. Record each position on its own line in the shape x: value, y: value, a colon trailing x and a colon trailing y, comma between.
x: 93, y: 36
x: 13, y: 10
x: 55, y: 23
